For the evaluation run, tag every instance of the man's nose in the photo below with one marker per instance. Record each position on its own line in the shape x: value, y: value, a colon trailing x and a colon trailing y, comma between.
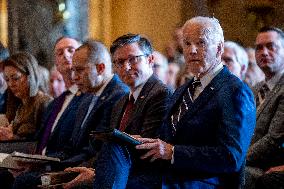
x: 192, y: 49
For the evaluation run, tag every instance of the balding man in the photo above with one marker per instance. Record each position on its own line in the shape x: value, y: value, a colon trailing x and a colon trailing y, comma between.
x: 211, y: 117
x: 235, y: 58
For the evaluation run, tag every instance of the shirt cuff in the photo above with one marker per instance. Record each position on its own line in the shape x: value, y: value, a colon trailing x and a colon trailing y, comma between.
x: 173, y: 150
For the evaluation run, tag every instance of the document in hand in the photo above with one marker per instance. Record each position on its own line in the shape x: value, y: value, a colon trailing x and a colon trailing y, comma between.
x: 115, y: 135
x: 11, y: 160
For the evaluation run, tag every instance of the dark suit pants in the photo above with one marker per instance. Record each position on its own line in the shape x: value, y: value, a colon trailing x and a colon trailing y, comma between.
x: 274, y: 180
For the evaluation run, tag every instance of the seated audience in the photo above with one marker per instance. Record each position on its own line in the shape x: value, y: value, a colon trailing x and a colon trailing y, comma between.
x: 141, y: 112
x: 3, y: 85
x: 210, y: 120
x: 105, y: 89
x: 56, y: 83
x: 235, y: 58
x: 172, y: 75
x: 266, y: 149
x: 44, y: 79
x: 59, y: 118
x: 25, y: 104
x: 160, y: 66
x: 254, y: 74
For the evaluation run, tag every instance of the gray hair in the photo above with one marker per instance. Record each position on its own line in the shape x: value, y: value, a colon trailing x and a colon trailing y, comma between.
x: 97, y: 53
x: 239, y: 52
x: 212, y: 27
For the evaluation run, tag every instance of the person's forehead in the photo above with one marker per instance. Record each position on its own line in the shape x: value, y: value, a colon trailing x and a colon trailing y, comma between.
x: 66, y: 43
x: 266, y: 37
x: 229, y: 51
x: 80, y: 57
x: 194, y: 28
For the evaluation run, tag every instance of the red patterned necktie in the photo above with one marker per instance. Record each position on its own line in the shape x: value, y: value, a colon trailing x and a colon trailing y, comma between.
x: 127, y: 113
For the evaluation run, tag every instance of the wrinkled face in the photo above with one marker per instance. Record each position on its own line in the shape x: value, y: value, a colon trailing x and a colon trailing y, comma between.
x: 64, y: 51
x: 17, y: 82
x: 269, y: 52
x: 56, y: 83
x: 199, y: 50
x: 230, y: 60
x: 85, y: 73
x: 132, y: 65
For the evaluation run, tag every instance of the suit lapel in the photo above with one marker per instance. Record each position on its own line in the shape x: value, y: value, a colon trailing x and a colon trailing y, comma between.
x: 107, y: 92
x: 65, y: 113
x: 206, y: 94
x: 269, y: 96
x: 84, y: 106
x: 140, y: 101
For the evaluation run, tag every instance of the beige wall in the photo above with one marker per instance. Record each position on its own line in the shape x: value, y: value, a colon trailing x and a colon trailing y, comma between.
x: 3, y: 23
x: 158, y: 18
x: 155, y: 19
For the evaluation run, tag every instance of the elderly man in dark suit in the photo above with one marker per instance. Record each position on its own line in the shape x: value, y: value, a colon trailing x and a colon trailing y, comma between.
x: 266, y: 148
x: 140, y: 112
x: 211, y: 119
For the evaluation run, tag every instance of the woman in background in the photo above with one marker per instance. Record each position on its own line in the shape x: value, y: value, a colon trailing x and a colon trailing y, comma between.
x: 25, y: 103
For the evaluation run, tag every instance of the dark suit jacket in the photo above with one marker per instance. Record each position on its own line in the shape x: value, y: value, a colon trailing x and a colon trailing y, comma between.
x: 3, y: 99
x: 147, y: 117
x: 64, y: 128
x: 213, y: 136
x: 265, y: 150
x: 78, y: 149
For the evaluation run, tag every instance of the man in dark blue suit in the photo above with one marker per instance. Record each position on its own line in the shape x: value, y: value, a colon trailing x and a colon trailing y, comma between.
x: 211, y: 119
x: 93, y: 74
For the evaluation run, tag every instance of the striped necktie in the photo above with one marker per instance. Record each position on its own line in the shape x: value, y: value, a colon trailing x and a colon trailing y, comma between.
x: 187, y: 100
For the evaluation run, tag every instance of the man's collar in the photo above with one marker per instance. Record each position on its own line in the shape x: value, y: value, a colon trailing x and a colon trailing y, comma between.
x: 73, y: 89
x: 271, y: 83
x: 100, y: 91
x: 206, y: 79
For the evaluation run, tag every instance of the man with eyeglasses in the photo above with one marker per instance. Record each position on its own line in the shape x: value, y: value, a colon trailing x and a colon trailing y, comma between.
x: 139, y: 113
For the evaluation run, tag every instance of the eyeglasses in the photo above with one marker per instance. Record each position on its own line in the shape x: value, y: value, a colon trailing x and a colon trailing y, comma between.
x: 131, y: 60
x: 14, y: 78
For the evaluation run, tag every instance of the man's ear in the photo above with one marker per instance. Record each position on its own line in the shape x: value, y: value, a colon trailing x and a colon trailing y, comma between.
x: 150, y: 59
x: 220, y: 49
x: 100, y: 68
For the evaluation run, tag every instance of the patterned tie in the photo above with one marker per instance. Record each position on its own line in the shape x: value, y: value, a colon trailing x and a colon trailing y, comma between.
x: 127, y: 113
x: 187, y: 100
x: 56, y: 109
x: 261, y: 94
